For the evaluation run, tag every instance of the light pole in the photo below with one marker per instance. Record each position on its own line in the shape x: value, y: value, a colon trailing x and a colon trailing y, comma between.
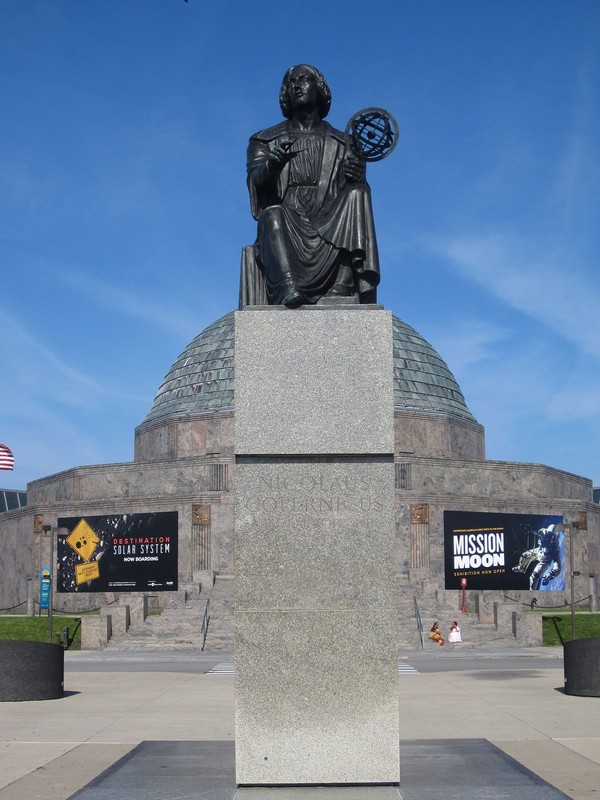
x: 48, y: 529
x: 574, y: 527
x: 571, y: 527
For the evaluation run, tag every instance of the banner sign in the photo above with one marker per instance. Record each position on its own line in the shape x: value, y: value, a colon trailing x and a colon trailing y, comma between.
x: 118, y: 553
x: 503, y: 551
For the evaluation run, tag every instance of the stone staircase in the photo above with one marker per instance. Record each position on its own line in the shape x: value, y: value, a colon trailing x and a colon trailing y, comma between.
x: 439, y: 607
x: 474, y: 633
x: 177, y: 627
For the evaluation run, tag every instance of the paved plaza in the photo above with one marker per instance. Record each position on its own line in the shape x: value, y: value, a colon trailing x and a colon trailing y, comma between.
x: 514, y: 700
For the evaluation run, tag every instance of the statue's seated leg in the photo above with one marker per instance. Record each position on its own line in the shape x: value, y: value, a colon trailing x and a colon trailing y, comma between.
x: 344, y: 283
x: 369, y: 297
x: 276, y: 257
x: 292, y: 298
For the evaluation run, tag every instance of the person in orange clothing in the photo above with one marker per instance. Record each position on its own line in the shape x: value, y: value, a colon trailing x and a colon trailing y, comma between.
x: 435, y: 635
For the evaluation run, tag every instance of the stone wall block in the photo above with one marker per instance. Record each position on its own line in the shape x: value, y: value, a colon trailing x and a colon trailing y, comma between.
x: 529, y: 629
x: 120, y: 616
x: 95, y: 632
x: 138, y: 609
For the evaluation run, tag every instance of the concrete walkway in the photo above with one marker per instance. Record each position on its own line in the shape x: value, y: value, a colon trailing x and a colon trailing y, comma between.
x: 50, y: 749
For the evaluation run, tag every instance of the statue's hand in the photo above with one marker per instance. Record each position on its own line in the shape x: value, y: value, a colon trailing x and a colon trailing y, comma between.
x: 354, y: 169
x: 281, y: 154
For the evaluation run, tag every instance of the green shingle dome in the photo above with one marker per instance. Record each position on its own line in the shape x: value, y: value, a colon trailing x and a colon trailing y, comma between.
x: 201, y: 381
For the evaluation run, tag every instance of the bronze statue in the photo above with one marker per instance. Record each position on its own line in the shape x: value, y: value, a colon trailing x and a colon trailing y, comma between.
x: 316, y: 236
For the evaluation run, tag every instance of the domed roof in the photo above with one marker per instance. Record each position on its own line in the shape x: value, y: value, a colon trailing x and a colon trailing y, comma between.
x: 201, y: 380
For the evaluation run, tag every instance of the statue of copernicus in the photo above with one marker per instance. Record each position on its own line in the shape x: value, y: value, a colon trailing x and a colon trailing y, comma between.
x: 316, y: 236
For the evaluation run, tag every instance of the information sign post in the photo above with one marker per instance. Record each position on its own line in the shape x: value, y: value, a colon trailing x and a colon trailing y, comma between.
x: 45, y: 582
x: 46, y: 597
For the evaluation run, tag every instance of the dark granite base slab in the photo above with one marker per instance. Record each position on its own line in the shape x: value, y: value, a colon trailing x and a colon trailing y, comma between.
x: 452, y: 769
x: 467, y: 769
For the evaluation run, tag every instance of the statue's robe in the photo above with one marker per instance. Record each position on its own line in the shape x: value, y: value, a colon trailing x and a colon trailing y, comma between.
x: 324, y: 221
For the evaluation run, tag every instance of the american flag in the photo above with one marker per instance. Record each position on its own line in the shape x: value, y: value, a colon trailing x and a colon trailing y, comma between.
x: 7, y: 460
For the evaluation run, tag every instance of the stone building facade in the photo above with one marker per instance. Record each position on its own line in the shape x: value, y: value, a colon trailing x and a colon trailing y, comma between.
x: 184, y: 462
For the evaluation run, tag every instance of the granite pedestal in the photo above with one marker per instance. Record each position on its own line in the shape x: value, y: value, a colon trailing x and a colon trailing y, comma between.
x: 316, y: 627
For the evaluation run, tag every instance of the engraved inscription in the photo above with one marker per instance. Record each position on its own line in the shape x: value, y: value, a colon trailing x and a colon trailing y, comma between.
x: 313, y: 500
x: 318, y: 495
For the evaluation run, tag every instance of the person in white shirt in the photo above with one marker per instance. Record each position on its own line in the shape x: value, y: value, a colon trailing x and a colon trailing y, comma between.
x: 455, y: 635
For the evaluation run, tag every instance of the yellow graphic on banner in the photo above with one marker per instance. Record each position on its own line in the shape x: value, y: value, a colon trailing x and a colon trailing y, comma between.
x: 86, y: 572
x: 83, y: 540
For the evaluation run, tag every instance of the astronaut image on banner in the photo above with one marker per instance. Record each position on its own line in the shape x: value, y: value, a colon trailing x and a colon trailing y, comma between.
x: 544, y: 562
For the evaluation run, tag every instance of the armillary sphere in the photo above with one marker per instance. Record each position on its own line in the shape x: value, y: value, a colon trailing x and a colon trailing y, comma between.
x: 372, y: 134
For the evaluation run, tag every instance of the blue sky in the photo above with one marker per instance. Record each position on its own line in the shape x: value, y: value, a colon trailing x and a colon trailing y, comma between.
x: 123, y: 205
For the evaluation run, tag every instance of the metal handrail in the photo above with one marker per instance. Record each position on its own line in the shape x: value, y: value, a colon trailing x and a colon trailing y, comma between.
x: 205, y: 621
x: 419, y: 621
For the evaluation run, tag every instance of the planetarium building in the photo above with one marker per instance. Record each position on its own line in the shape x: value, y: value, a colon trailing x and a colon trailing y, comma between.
x: 164, y: 522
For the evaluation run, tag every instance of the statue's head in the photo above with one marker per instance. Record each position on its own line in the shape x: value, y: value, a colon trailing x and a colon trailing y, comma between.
x: 323, y: 91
